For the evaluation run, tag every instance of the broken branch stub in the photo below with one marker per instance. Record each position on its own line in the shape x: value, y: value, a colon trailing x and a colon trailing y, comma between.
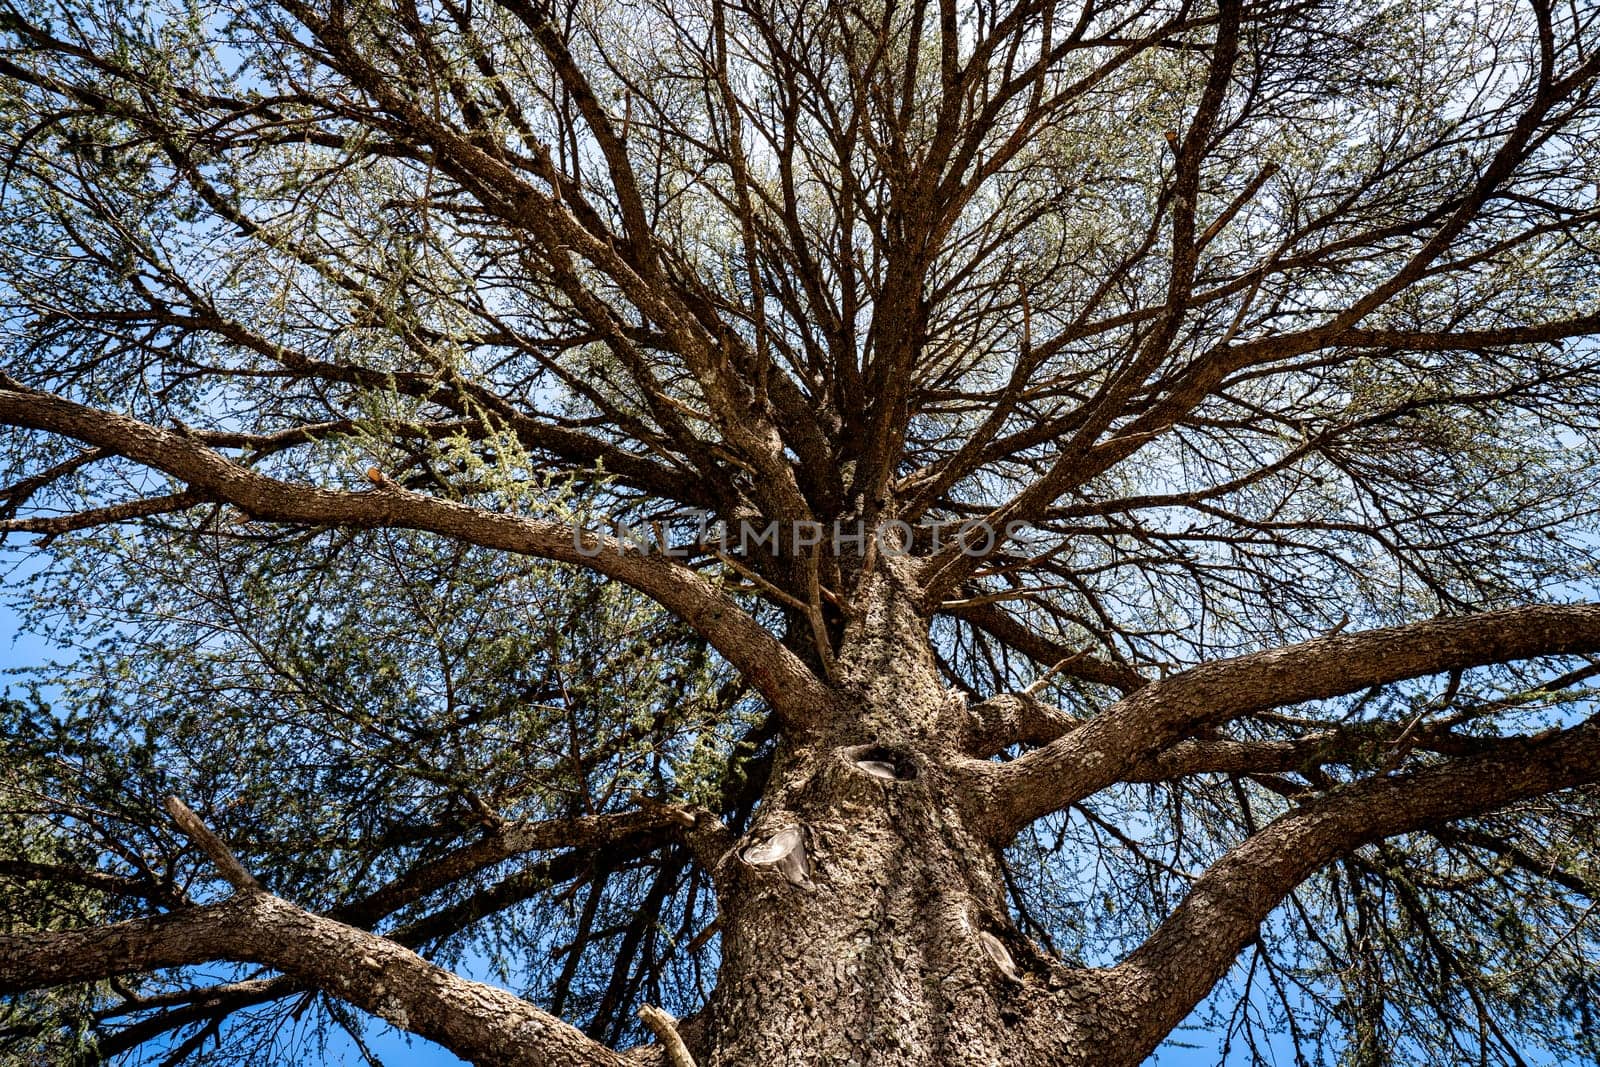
x: 665, y: 1027
x: 999, y: 955
x: 217, y: 850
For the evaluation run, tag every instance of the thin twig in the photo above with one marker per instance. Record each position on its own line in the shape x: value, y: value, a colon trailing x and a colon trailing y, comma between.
x: 1044, y: 679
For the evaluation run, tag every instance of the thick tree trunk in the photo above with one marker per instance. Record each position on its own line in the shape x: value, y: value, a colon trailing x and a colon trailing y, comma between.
x: 889, y: 943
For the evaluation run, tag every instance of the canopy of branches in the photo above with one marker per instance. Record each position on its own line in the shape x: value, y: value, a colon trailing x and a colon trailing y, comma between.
x: 328, y: 323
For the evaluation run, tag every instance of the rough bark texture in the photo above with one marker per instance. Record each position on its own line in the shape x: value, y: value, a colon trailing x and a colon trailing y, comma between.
x: 881, y: 956
x: 892, y: 943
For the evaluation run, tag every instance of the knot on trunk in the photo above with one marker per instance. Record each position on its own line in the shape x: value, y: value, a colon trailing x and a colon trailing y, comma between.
x: 882, y: 762
x: 999, y: 955
x: 991, y: 937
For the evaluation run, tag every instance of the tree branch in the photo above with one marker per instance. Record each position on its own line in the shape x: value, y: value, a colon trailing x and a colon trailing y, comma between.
x: 665, y: 1027
x: 214, y: 847
x: 624, y: 833
x: 1170, y: 973
x: 772, y: 669
x: 1104, y: 749
x: 486, y: 1025
x: 1012, y: 719
x: 994, y: 621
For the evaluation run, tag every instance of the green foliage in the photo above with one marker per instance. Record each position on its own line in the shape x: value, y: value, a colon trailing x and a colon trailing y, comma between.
x: 343, y: 707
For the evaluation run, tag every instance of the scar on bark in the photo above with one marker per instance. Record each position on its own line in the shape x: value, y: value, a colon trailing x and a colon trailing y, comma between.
x: 882, y: 761
x: 784, y: 851
x: 993, y: 948
x: 999, y: 955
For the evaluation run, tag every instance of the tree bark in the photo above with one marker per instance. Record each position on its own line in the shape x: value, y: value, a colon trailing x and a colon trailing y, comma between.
x: 890, y: 943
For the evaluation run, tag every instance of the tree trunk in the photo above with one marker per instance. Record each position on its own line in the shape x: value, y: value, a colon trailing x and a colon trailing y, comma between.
x: 889, y: 942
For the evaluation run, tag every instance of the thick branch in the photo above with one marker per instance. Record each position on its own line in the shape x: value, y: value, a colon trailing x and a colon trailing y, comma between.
x: 1159, y: 984
x: 627, y: 833
x: 1104, y: 749
x: 478, y: 1022
x: 776, y: 672
x: 1015, y: 719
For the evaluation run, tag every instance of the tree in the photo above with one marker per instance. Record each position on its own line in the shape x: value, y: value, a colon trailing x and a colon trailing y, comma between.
x: 909, y: 533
